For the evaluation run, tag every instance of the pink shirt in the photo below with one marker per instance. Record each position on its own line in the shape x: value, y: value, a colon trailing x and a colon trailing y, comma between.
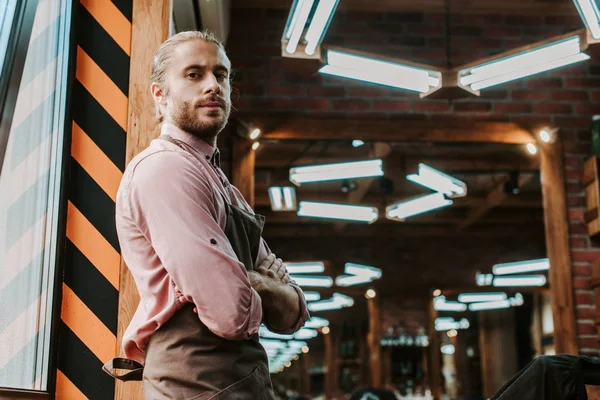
x: 170, y: 218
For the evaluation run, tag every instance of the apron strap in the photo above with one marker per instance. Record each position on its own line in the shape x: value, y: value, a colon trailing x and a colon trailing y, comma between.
x: 135, y: 369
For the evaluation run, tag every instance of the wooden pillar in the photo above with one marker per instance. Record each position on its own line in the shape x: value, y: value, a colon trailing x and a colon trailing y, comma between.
x: 306, y: 389
x: 558, y: 248
x: 374, y: 342
x: 386, y: 354
x: 242, y: 169
x: 497, y: 347
x: 149, y: 28
x: 434, y: 365
x: 330, y: 362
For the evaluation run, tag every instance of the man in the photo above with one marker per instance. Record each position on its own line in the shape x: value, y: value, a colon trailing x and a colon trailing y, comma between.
x: 206, y: 278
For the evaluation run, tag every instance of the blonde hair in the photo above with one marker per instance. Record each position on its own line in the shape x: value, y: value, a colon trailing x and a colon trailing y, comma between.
x: 163, y: 55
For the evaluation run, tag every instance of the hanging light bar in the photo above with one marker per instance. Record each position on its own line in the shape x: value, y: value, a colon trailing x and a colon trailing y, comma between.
x: 282, y: 198
x: 529, y: 62
x: 520, y: 280
x: 521, y: 267
x: 312, y: 296
x: 438, y: 181
x: 484, y: 279
x: 318, y: 25
x: 336, y: 302
x: 316, y: 323
x: 588, y: 10
x: 479, y: 297
x: 296, y: 22
x: 403, y: 210
x: 385, y: 73
x: 329, y: 172
x: 312, y: 281
x: 312, y: 267
x: 440, y: 304
x: 357, y: 274
x: 448, y: 323
x: 489, y: 305
x: 338, y: 211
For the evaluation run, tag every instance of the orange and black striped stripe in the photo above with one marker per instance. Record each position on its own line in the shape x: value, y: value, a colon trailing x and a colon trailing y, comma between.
x: 91, y: 285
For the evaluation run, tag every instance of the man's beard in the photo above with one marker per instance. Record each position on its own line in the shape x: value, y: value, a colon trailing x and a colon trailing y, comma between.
x: 184, y: 115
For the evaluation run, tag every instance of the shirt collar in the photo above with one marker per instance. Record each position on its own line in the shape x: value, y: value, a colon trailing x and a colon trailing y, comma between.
x: 211, y: 153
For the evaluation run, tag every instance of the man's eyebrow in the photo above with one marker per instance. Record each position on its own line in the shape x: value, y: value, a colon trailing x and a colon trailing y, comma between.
x: 198, y: 66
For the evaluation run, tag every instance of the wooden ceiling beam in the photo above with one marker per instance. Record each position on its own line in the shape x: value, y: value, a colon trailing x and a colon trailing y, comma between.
x: 435, y: 131
x: 495, y: 197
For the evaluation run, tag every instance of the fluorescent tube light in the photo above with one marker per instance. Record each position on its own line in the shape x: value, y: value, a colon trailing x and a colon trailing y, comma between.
x: 282, y: 198
x: 529, y: 62
x: 312, y: 296
x: 588, y: 10
x: 448, y: 349
x: 338, y: 211
x: 312, y: 281
x: 316, y: 323
x: 336, y: 302
x: 313, y: 267
x: 484, y: 279
x: 318, y: 25
x: 489, y: 305
x: 440, y: 304
x: 296, y: 24
x: 305, y: 333
x: 329, y: 172
x: 403, y: 210
x: 438, y: 181
x: 446, y: 324
x: 357, y: 274
x: 381, y: 72
x: 517, y: 300
x: 479, y: 297
x: 522, y: 280
x: 357, y: 143
x: 521, y: 267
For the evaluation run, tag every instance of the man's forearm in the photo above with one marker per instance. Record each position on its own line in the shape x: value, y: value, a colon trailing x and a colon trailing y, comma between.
x: 281, y: 303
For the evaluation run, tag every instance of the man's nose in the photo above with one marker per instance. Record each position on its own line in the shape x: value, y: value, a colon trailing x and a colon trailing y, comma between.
x: 212, y: 85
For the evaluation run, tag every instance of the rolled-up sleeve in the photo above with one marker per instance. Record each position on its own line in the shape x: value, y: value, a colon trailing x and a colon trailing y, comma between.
x: 172, y: 202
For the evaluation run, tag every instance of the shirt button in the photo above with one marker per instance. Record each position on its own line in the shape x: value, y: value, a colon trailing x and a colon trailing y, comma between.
x: 208, y: 157
x: 213, y: 241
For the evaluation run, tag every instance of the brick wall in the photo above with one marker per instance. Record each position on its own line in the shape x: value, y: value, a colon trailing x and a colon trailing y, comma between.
x: 566, y: 98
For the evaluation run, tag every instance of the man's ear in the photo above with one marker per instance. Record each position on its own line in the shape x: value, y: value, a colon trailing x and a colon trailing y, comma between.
x: 158, y: 94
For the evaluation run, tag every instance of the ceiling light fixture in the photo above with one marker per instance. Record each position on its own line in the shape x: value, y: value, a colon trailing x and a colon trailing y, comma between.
x: 588, y: 10
x: 312, y: 267
x: 387, y: 73
x: 316, y: 323
x: 338, y: 211
x: 479, y: 297
x: 282, y: 198
x: 255, y: 134
x: 295, y: 24
x: 401, y: 211
x: 312, y: 281
x: 336, y: 302
x: 511, y: 66
x: 318, y: 25
x: 441, y: 304
x: 521, y: 267
x: 312, y: 296
x: 520, y: 280
x: 438, y: 181
x: 330, y: 172
x: 489, y: 305
x: 357, y: 274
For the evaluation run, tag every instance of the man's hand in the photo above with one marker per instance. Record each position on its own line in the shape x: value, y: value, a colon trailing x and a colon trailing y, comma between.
x: 274, y: 268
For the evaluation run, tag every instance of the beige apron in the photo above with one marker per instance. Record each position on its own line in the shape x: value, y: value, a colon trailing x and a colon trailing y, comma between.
x: 185, y: 360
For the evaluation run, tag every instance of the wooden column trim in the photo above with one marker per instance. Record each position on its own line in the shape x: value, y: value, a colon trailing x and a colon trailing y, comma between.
x: 330, y: 363
x: 434, y: 366
x: 149, y: 28
x: 374, y: 342
x: 242, y: 169
x: 558, y: 248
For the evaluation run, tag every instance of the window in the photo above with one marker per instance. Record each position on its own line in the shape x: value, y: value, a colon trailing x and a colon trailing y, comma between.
x: 30, y: 185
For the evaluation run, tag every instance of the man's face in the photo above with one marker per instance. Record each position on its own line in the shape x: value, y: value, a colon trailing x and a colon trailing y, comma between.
x: 197, y: 93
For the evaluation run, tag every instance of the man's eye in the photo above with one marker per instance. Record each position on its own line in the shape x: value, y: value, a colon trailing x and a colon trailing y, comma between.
x: 193, y: 75
x: 221, y: 76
